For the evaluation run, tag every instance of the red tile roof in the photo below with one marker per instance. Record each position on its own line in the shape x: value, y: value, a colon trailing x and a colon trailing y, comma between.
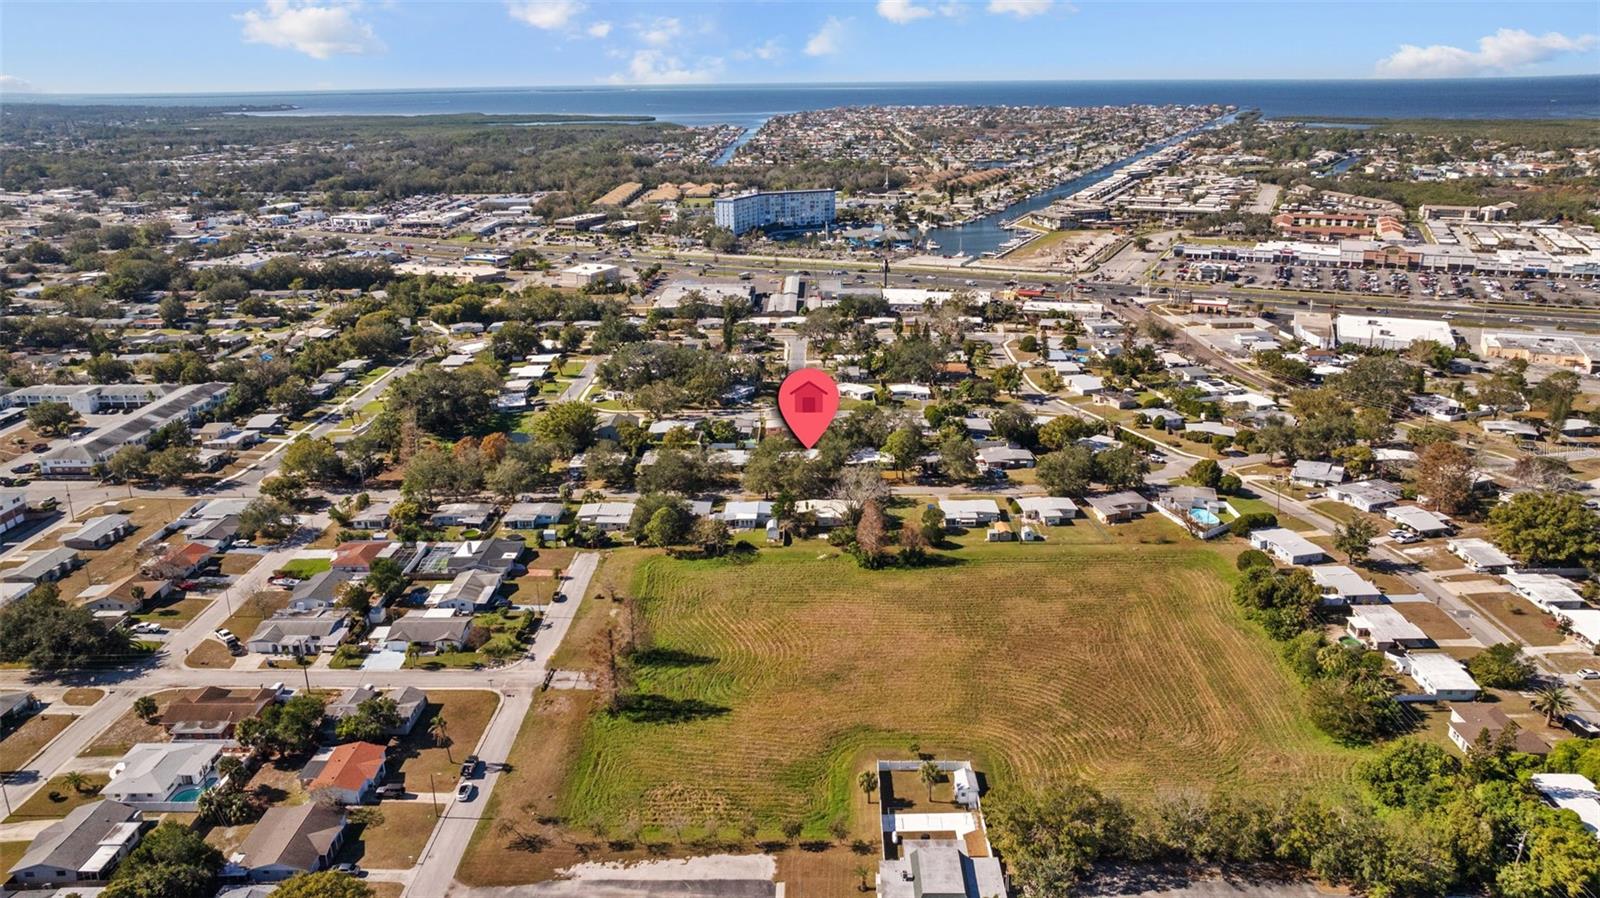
x: 350, y: 766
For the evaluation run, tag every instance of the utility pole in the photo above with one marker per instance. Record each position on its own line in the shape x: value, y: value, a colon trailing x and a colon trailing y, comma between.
x: 432, y: 792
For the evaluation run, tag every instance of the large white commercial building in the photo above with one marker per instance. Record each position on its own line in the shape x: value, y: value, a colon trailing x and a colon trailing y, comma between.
x: 782, y: 209
x: 1382, y: 332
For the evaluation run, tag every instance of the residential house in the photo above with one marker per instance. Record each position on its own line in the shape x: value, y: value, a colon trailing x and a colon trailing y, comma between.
x: 829, y: 513
x: 1004, y: 458
x: 301, y: 634
x: 1286, y: 545
x: 349, y: 773
x: 164, y: 776
x: 356, y: 556
x: 910, y: 392
x: 180, y: 561
x: 13, y: 508
x: 1418, y: 520
x: 533, y: 515
x: 746, y: 515
x: 1340, y: 585
x: 213, y: 712
x: 940, y: 868
x: 321, y: 592
x: 1365, y: 495
x: 16, y: 708
x: 43, y: 567
x: 1439, y: 676
x: 1571, y: 792
x: 1118, y: 508
x: 409, y: 701
x: 373, y: 517
x: 468, y: 593
x: 291, y: 839
x: 1480, y: 555
x: 99, y: 532
x: 128, y: 595
x: 1316, y: 473
x: 969, y: 512
x: 1471, y: 721
x: 429, y: 630
x: 1051, y: 510
x: 84, y: 846
x: 474, y: 515
x: 1549, y: 592
x: 1083, y: 384
x: 609, y: 517
x: 1383, y: 628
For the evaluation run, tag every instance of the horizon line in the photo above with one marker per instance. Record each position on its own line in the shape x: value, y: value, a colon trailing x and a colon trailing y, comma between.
x: 711, y: 85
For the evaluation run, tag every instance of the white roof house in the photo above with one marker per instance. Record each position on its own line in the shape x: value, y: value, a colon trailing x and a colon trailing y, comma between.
x: 1365, y: 495
x: 1545, y: 590
x: 1438, y: 675
x: 1083, y: 384
x: 969, y: 512
x: 1286, y: 545
x: 607, y: 516
x: 828, y: 512
x: 1316, y: 473
x: 746, y: 515
x: 862, y: 392
x: 1480, y: 554
x: 1583, y: 622
x: 1340, y: 585
x: 1417, y: 519
x: 162, y: 775
x: 1049, y: 509
x: 1571, y: 792
x: 1383, y: 627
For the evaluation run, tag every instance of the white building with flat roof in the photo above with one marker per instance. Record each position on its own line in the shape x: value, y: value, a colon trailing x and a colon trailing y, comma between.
x: 1382, y: 332
x: 1571, y: 792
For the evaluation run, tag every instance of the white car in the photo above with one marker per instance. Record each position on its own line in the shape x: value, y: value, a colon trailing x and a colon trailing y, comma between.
x: 148, y: 627
x: 1588, y: 673
x: 465, y: 792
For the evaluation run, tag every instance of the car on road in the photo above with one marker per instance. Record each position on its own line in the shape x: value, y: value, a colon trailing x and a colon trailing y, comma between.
x: 466, y: 792
x: 469, y: 767
x: 1588, y: 673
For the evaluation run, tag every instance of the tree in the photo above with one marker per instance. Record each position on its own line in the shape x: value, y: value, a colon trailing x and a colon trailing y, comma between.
x: 372, y: 721
x: 1553, y: 702
x: 313, y: 458
x: 711, y: 535
x: 667, y: 527
x: 145, y: 707
x: 1206, y: 472
x: 171, y: 465
x: 1501, y: 666
x: 1008, y: 379
x: 266, y: 518
x: 75, y: 780
x: 439, y: 730
x: 323, y: 884
x: 1556, y: 394
x: 386, y: 578
x: 904, y: 447
x: 1066, y: 430
x: 930, y: 774
x: 131, y: 462
x: 172, y: 311
x: 868, y: 781
x: 1411, y: 774
x: 1548, y: 528
x: 1066, y: 472
x: 52, y: 418
x: 1122, y: 468
x: 1445, y: 475
x: 870, y: 535
x: 568, y: 427
x: 47, y: 634
x: 172, y: 861
x: 958, y: 456
x: 1355, y: 539
x: 1284, y: 602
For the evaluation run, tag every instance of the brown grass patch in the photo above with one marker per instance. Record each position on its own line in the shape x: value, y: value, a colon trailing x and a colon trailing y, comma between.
x: 56, y: 799
x: 30, y: 738
x: 83, y: 695
x: 467, y: 713
x: 129, y: 730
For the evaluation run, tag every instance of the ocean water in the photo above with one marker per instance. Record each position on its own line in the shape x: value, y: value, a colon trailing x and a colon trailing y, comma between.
x: 749, y: 105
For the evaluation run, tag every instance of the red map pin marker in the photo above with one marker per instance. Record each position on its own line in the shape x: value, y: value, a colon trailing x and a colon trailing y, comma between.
x: 808, y: 399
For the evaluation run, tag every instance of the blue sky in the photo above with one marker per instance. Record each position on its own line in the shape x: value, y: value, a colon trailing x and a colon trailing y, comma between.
x: 71, y: 46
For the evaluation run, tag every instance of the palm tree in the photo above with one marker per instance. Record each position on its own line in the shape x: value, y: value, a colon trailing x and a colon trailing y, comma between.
x: 929, y: 774
x: 862, y: 871
x: 440, y: 731
x: 74, y: 780
x: 1552, y: 702
x: 868, y: 783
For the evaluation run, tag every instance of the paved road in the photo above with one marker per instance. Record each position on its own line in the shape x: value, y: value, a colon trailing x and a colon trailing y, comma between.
x: 580, y: 384
x: 449, y: 841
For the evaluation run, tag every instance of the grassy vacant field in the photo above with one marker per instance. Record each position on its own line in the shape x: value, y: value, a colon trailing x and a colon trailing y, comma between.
x: 27, y: 740
x: 770, y: 685
x: 57, y: 799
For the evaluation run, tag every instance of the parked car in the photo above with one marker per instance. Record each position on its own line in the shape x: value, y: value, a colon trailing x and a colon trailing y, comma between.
x: 349, y: 869
x: 469, y: 767
x: 1588, y: 673
x: 226, y: 635
x: 465, y: 792
x: 392, y: 790
x: 148, y: 627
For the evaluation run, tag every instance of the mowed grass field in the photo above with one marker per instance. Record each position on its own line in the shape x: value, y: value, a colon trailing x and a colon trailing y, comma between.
x: 772, y: 684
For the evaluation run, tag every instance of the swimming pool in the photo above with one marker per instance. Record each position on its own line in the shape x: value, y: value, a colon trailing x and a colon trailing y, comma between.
x: 192, y: 793
x: 1204, y: 516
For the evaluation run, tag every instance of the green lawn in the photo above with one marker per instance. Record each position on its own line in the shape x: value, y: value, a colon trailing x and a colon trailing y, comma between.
x: 304, y: 568
x: 1114, y: 653
x: 56, y: 799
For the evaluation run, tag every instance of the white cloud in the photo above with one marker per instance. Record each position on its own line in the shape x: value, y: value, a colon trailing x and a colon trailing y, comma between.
x: 659, y: 32
x: 548, y: 15
x: 767, y: 51
x: 1022, y: 9
x: 1505, y: 50
x: 902, y: 12
x: 599, y: 29
x: 15, y: 85
x: 656, y: 67
x: 319, y: 31
x: 828, y: 40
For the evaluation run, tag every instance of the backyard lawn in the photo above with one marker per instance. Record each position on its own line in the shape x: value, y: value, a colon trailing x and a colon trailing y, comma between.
x: 770, y: 685
x: 389, y: 836
x: 57, y: 799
